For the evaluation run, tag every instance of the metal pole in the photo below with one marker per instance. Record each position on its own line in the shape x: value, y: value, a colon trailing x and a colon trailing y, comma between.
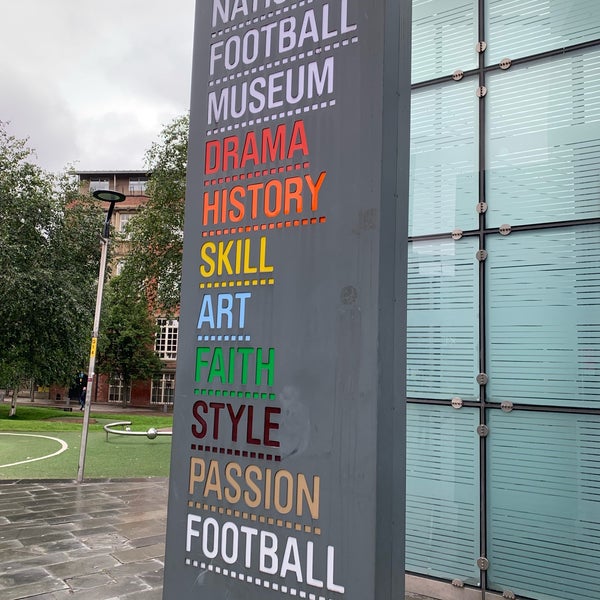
x: 90, y: 381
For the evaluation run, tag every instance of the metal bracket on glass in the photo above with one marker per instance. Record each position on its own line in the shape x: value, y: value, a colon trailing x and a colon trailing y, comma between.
x: 458, y: 75
x: 508, y: 594
x: 480, y: 47
x: 481, y: 91
x: 505, y: 229
x: 482, y: 378
x: 505, y: 63
x: 481, y: 207
x: 457, y: 402
x: 457, y: 234
x: 506, y: 406
x: 483, y: 430
x: 483, y: 563
x: 458, y: 583
x: 481, y: 255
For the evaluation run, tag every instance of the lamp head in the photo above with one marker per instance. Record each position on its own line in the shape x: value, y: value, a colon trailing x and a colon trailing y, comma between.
x: 108, y: 196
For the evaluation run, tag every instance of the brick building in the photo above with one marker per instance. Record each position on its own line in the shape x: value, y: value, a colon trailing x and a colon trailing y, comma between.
x: 160, y: 391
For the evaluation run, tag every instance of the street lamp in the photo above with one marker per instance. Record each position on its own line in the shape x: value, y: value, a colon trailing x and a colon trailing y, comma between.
x: 111, y: 197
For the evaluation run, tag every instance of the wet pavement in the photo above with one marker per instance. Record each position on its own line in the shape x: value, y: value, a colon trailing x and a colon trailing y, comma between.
x: 100, y: 540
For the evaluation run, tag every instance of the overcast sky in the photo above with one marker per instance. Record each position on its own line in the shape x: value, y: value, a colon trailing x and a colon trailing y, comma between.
x: 92, y: 82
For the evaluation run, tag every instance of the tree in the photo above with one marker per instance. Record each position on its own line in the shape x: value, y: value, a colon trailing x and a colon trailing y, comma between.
x: 48, y: 268
x: 153, y: 265
x: 126, y: 337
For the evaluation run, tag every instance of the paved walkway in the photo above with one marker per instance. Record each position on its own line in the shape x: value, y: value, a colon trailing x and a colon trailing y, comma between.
x: 99, y: 540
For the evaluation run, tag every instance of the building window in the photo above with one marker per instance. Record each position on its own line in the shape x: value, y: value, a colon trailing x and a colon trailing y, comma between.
x: 163, y: 389
x: 137, y: 185
x: 99, y: 184
x: 117, y: 390
x: 120, y: 267
x: 124, y: 219
x: 166, y: 339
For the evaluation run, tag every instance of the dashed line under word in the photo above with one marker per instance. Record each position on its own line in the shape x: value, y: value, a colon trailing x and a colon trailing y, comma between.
x: 252, y: 174
x: 264, y: 227
x: 224, y: 338
x: 283, y: 61
x: 236, y: 283
x: 273, y: 117
x: 235, y: 394
x: 232, y: 452
x: 247, y: 516
x: 284, y: 589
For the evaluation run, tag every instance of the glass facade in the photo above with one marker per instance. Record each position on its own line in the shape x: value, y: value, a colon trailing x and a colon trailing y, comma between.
x: 503, y: 373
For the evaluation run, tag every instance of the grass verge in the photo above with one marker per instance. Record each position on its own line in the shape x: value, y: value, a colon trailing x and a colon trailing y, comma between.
x: 37, y: 418
x: 119, y: 456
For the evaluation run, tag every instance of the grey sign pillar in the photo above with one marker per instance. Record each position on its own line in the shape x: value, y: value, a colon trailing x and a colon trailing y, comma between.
x: 287, y: 473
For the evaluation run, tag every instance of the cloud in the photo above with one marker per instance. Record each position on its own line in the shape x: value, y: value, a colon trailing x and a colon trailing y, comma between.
x: 93, y: 83
x: 38, y: 115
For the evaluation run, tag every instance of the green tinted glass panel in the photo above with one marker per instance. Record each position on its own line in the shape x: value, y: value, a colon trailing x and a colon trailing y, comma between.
x: 544, y: 141
x: 442, y: 513
x: 544, y: 503
x: 543, y: 316
x: 444, y: 36
x: 442, y: 331
x: 444, y: 155
x: 525, y: 27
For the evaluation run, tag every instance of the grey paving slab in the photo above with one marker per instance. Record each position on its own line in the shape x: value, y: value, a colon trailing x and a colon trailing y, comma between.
x: 88, y: 582
x: 46, y: 538
x: 21, y: 560
x: 63, y: 545
x: 9, y: 544
x: 146, y: 569
x: 102, y: 540
x: 113, y: 589
x: 93, y: 530
x: 137, y: 554
x: 148, y: 541
x: 82, y: 567
x: 22, y: 577
x: 150, y: 595
x: 33, y: 590
x: 140, y: 529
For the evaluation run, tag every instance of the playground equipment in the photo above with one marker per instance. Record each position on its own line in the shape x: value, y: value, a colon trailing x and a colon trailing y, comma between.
x: 151, y: 434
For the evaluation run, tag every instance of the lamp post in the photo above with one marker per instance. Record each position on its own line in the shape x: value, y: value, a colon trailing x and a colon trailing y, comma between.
x: 111, y: 197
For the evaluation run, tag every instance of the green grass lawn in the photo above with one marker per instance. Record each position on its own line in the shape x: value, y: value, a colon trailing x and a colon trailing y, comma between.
x: 119, y: 456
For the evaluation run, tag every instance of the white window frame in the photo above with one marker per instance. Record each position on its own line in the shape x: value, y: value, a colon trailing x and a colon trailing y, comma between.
x: 120, y: 267
x: 166, y: 340
x: 99, y: 183
x: 117, y: 391
x: 124, y: 218
x: 137, y: 185
x: 163, y: 389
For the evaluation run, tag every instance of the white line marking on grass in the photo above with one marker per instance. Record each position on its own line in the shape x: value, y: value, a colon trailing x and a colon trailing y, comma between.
x: 63, y: 446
